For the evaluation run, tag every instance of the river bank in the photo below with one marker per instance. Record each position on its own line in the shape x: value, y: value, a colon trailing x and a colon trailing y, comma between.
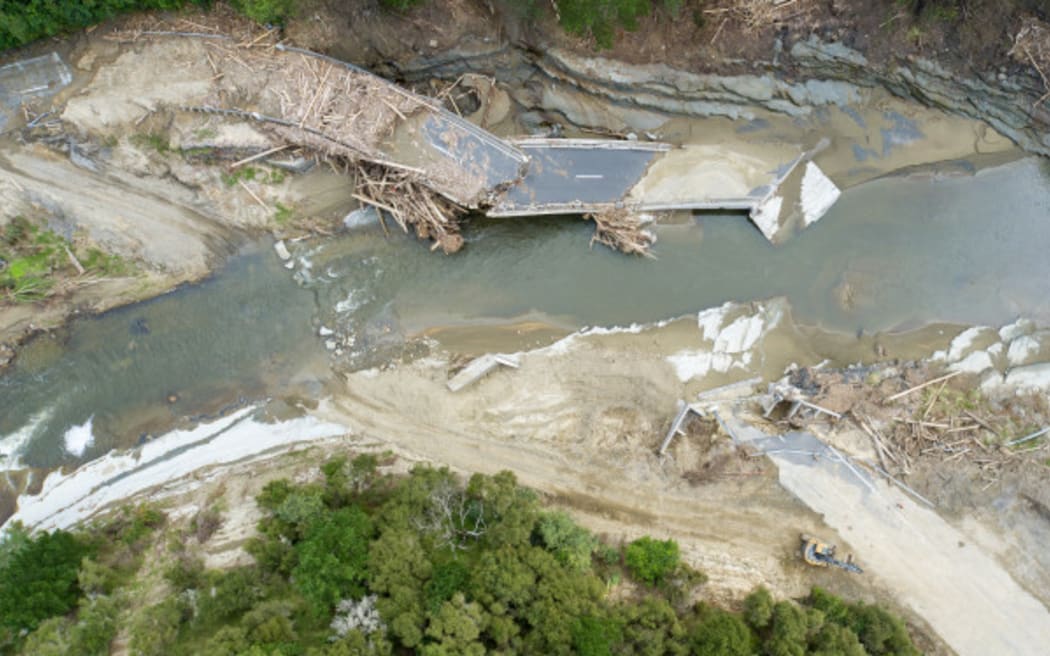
x: 118, y: 144
x: 942, y: 227
x: 580, y: 420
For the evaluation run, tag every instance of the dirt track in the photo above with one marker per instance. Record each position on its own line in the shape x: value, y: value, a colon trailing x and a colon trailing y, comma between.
x: 582, y: 427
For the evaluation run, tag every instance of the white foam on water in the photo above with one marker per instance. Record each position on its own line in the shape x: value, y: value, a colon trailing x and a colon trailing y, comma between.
x: 66, y: 500
x: 12, y: 446
x: 78, y: 438
x: 354, y: 300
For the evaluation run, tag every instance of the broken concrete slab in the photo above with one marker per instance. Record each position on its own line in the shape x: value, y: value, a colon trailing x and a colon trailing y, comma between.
x: 38, y: 77
x: 800, y: 197
x: 480, y: 367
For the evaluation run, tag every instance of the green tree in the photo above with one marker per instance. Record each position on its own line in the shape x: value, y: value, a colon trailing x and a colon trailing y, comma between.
x: 720, y: 633
x: 274, y: 493
x: 230, y: 594
x: 447, y: 578
x: 881, y: 632
x: 51, y: 638
x: 270, y: 622
x: 651, y: 627
x: 790, y: 626
x: 333, y: 558
x: 561, y: 595
x: 834, y: 609
x: 96, y: 626
x: 455, y: 628
x: 300, y: 510
x: 155, y: 630
x: 38, y: 579
x: 227, y: 641
x: 758, y: 608
x: 274, y: 12
x: 398, y: 569
x: 835, y: 640
x: 599, y: 18
x: 400, y: 5
x: 652, y: 561
x: 355, y: 643
x: 572, y: 545
x: 510, y: 511
x: 595, y: 636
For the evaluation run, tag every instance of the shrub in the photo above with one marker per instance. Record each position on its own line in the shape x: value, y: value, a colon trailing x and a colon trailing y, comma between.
x: 570, y: 544
x: 23, y: 21
x: 446, y: 579
x: 267, y: 12
x: 274, y: 493
x: 38, y: 579
x: 155, y: 630
x: 599, y: 18
x: 186, y: 573
x: 758, y: 608
x: 96, y: 626
x: 652, y: 561
x: 230, y: 594
x: 720, y: 633
x: 138, y: 522
x: 595, y: 636
x: 400, y: 5
x: 333, y: 559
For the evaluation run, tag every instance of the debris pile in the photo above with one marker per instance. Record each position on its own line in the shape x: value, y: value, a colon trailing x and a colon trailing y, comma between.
x: 622, y: 230
x: 1032, y: 46
x: 409, y: 203
x: 910, y: 415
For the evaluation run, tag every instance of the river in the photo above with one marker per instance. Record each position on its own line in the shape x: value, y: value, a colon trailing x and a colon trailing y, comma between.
x: 893, y: 254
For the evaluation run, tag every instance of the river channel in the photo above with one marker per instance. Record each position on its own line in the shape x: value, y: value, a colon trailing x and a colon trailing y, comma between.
x: 892, y: 255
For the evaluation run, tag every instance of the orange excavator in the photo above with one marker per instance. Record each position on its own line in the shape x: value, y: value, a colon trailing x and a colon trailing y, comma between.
x: 821, y: 554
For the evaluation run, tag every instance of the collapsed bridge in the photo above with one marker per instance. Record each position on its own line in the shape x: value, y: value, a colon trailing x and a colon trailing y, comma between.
x: 425, y: 165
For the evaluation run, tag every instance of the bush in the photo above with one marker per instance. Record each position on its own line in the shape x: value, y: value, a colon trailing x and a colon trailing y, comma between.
x: 138, y: 522
x: 38, y: 579
x: 570, y: 544
x: 720, y: 633
x: 758, y: 608
x: 595, y: 636
x: 231, y: 594
x: 333, y: 559
x: 155, y: 630
x: 186, y: 573
x: 274, y: 493
x: 652, y: 561
x: 446, y: 579
x: 599, y: 18
x: 266, y: 12
x: 23, y: 21
x: 400, y: 5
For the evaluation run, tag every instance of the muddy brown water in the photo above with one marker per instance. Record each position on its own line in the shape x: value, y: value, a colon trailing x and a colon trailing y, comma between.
x: 893, y: 254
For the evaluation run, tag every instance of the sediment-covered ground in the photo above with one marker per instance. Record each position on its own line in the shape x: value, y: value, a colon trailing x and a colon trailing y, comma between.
x: 579, y: 420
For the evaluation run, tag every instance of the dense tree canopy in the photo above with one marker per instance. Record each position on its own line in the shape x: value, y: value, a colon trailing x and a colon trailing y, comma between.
x: 38, y: 578
x: 363, y: 564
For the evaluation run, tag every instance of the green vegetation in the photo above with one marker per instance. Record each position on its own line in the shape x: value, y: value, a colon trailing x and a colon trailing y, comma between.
x: 366, y: 564
x: 33, y: 257
x: 249, y: 173
x: 651, y: 560
x: 600, y: 18
x: 400, y: 5
x: 266, y: 12
x: 152, y: 140
x: 938, y: 10
x: 38, y: 579
x: 23, y: 21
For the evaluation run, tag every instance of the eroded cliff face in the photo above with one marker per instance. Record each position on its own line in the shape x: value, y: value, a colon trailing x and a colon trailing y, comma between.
x: 825, y: 54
